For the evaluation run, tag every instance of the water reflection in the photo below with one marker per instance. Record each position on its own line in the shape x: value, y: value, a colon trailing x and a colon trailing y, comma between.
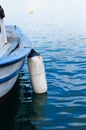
x: 8, y: 109
x: 30, y: 108
x: 38, y: 103
x: 22, y: 118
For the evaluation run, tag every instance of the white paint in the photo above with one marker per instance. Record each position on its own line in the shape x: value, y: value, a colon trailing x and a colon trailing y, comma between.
x: 7, y: 86
x: 8, y: 70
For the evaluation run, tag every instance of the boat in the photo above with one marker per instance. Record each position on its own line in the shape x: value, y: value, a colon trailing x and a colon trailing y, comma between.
x: 14, y: 48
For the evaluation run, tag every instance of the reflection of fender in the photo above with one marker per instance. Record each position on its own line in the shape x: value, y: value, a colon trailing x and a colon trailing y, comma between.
x: 37, y: 72
x: 26, y: 125
x: 38, y: 103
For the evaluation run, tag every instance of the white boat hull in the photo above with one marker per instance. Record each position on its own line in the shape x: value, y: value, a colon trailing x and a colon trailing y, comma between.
x: 8, y: 76
x: 12, y: 57
x: 7, y: 86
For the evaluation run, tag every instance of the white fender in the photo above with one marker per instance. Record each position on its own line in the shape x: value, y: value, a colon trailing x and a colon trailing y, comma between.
x: 37, y: 72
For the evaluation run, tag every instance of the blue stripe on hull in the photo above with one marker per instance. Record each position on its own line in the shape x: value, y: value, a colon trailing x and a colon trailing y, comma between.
x: 12, y: 75
x: 12, y: 61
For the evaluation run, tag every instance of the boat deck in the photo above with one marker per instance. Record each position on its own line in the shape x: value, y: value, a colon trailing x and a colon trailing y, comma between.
x: 12, y: 41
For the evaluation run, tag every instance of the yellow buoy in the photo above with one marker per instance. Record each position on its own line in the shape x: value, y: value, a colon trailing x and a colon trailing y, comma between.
x: 31, y: 11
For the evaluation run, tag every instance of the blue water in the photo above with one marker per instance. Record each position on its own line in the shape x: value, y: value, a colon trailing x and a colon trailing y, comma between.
x: 64, y: 105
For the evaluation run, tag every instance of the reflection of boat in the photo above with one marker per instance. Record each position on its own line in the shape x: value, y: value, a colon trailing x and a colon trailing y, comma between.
x: 22, y: 117
x: 17, y: 115
x: 14, y: 47
x: 38, y: 103
x: 8, y: 109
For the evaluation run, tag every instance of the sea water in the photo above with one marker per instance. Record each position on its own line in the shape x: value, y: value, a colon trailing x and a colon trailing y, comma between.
x: 64, y: 105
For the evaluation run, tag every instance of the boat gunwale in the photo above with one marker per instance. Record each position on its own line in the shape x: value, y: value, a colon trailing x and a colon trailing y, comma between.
x: 8, y: 60
x: 19, y: 54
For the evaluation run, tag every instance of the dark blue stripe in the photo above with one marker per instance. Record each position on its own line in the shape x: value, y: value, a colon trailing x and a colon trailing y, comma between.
x: 11, y: 62
x: 12, y: 75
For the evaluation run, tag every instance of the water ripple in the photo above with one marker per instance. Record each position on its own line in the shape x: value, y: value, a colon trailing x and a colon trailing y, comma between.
x: 64, y: 55
x: 64, y: 105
